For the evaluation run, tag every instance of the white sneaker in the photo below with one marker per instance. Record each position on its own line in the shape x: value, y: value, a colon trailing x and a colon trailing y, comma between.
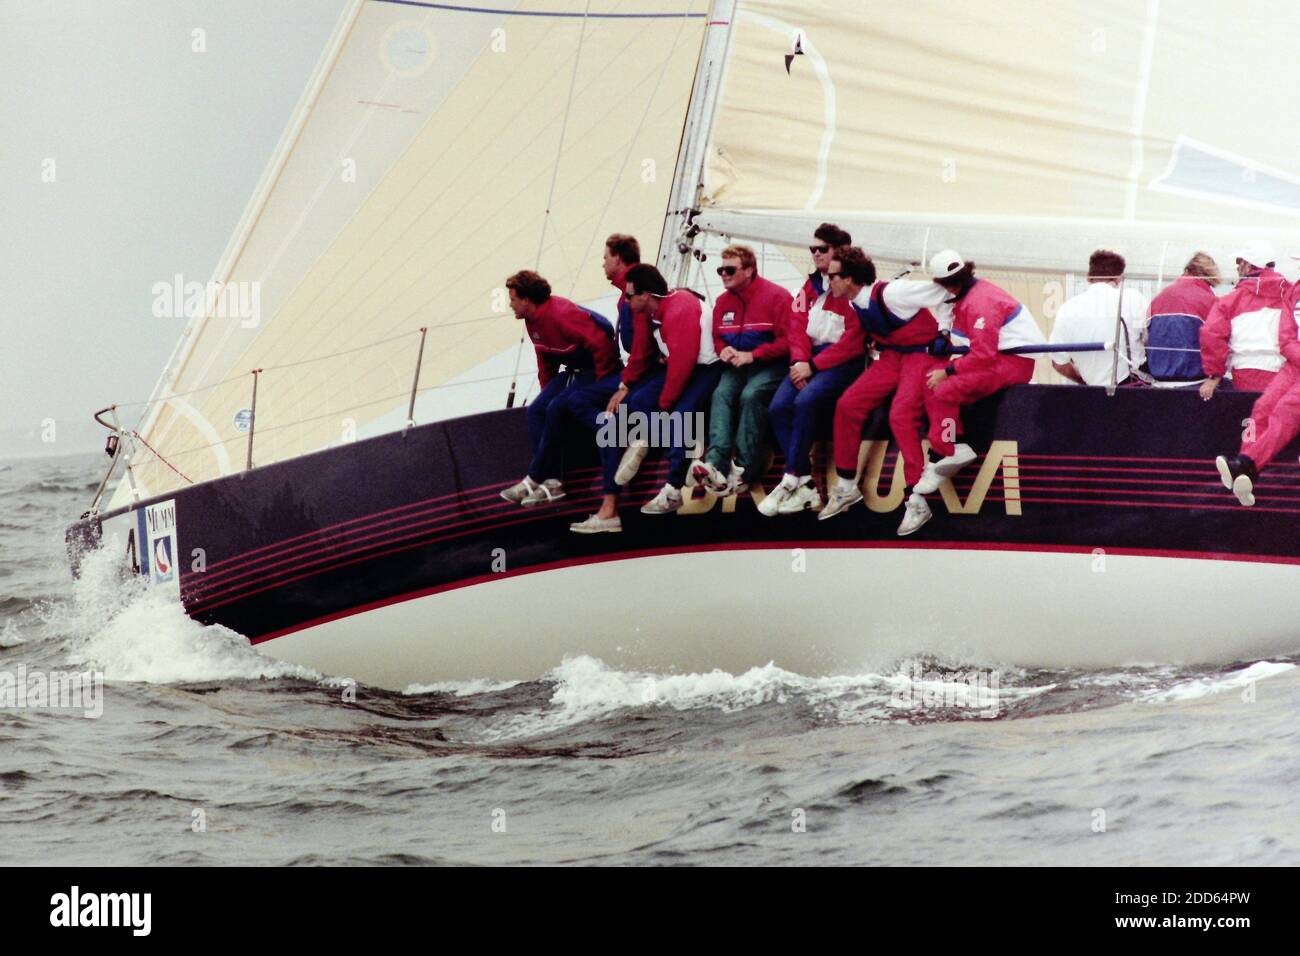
x: 666, y: 502
x: 770, y: 506
x: 916, y: 513
x: 962, y: 455
x: 1225, y: 471
x: 930, y: 481
x: 803, y: 498
x: 705, y: 475
x: 548, y: 492
x: 593, y: 525
x: 736, y: 483
x: 1244, y: 489
x: 516, y: 494
x: 936, y: 471
x: 841, y: 499
x: 631, y: 462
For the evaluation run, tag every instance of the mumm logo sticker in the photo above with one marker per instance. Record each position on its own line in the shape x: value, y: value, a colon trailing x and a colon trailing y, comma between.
x: 1001, y: 454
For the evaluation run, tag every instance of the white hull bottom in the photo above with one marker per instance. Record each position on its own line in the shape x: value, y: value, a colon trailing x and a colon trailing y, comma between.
x: 851, y: 610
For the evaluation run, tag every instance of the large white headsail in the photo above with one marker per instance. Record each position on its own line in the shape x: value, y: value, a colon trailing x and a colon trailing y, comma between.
x: 438, y: 148
x: 1026, y: 134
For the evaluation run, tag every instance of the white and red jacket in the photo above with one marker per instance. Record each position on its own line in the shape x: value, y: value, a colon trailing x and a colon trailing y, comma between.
x: 1241, y: 330
x: 902, y: 313
x: 829, y: 327
x: 564, y: 333
x: 685, y: 337
x: 990, y: 320
x: 754, y: 320
x: 810, y: 292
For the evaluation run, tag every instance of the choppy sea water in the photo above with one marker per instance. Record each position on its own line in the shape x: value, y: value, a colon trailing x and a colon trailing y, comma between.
x: 209, y: 752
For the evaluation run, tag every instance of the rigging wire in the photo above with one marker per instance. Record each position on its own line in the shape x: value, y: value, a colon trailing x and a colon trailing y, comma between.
x: 550, y: 196
x: 135, y: 434
x: 631, y: 145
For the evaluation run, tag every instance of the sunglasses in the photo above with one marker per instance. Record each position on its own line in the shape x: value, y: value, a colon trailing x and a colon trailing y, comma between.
x: 836, y: 275
x: 819, y: 250
x: 727, y: 270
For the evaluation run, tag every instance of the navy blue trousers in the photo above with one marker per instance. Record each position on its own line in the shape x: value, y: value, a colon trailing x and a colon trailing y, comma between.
x: 794, y: 412
x: 586, y: 405
x: 546, y: 416
x: 694, y: 400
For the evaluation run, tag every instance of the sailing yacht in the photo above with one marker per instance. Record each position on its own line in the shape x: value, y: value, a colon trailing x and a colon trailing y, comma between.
x: 322, y: 477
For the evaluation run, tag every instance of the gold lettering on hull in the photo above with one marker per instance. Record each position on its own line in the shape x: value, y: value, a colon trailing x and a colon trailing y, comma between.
x: 1001, y: 454
x: 1004, y: 455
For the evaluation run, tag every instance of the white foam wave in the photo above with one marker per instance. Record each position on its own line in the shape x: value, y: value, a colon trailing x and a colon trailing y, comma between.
x: 9, y: 635
x: 136, y: 633
x: 587, y: 689
x: 461, y: 688
x: 1208, y: 686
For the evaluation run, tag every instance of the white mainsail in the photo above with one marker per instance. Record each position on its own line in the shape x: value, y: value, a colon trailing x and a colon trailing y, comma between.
x: 1024, y: 134
x: 438, y: 148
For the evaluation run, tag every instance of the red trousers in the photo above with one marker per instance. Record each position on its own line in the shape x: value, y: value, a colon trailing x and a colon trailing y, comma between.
x: 943, y: 404
x: 902, y: 375
x: 1251, y: 379
x: 1276, y: 416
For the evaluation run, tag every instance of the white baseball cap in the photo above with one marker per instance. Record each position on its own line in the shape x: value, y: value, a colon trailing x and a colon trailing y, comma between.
x: 1258, y: 252
x: 946, y: 263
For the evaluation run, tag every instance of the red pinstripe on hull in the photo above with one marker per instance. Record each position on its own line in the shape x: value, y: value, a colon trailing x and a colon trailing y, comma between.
x: 279, y: 545
x: 216, y: 590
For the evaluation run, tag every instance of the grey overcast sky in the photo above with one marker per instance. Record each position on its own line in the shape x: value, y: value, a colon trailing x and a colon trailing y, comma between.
x: 156, y: 150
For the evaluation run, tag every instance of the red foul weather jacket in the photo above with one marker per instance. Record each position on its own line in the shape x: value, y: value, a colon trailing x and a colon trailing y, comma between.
x: 753, y: 320
x: 685, y: 336
x: 567, y: 334
x: 988, y: 319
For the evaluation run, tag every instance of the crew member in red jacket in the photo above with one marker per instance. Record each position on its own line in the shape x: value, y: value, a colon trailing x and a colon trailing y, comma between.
x: 749, y: 335
x: 668, y: 404
x: 589, y: 404
x: 1274, y: 419
x: 827, y: 353
x: 900, y: 318
x: 622, y: 252
x: 575, y: 347
x: 1240, y: 334
x: 990, y: 321
x: 1176, y: 317
x: 828, y: 240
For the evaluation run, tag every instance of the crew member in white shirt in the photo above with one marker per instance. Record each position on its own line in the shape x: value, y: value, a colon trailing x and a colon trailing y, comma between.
x: 1090, y: 317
